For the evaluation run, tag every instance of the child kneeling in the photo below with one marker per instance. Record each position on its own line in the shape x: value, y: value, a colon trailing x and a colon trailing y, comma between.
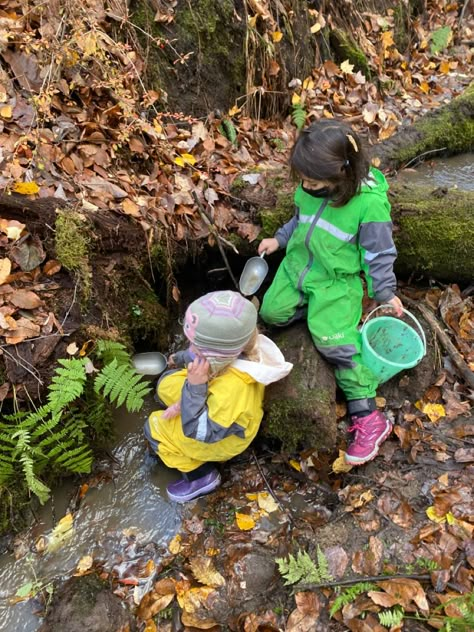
x: 215, y: 405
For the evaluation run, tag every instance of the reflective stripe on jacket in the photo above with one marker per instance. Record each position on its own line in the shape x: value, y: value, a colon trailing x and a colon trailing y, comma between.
x: 326, y: 243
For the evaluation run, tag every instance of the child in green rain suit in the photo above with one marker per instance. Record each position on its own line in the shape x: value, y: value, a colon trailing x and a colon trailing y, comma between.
x: 341, y: 228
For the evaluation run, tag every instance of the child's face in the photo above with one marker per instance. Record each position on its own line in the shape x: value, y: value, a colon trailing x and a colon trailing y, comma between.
x: 313, y: 185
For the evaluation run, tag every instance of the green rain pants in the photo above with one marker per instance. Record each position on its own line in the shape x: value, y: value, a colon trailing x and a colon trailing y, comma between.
x: 334, y: 310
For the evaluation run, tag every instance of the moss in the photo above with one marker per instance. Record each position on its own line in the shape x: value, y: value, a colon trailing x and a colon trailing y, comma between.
x: 272, y: 219
x: 72, y: 244
x: 15, y: 505
x: 281, y: 423
x: 435, y: 237
x: 345, y: 48
x: 238, y: 185
x: 147, y: 319
x: 451, y: 127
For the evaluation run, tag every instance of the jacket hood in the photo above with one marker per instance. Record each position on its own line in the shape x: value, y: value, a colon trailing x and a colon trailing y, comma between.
x: 375, y: 182
x: 271, y: 366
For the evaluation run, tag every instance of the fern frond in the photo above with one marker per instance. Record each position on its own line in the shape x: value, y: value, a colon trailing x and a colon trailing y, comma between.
x: 350, y: 595
x: 298, y: 115
x: 301, y: 568
x: 121, y: 384
x: 108, y: 350
x: 67, y: 383
x: 393, y: 617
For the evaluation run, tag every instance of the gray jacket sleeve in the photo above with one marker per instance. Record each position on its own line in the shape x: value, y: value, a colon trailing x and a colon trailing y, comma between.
x: 378, y: 255
x: 183, y: 358
x: 195, y: 419
x: 284, y: 233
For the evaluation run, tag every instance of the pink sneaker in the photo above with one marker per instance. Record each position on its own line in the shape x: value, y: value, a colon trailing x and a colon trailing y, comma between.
x: 370, y: 432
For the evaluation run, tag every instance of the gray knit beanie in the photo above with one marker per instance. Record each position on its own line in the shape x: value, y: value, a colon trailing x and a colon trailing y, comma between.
x: 221, y: 322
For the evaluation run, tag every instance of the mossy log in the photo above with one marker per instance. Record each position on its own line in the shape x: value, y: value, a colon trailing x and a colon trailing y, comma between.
x: 447, y: 130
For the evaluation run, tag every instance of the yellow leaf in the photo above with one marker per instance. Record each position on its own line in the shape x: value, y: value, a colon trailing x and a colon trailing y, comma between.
x: 295, y: 465
x: 347, y: 67
x: 387, y: 39
x: 433, y: 411
x: 376, y: 162
x: 266, y: 502
x: 5, y: 269
x: 252, y: 21
x: 6, y: 111
x: 26, y: 188
x: 205, y: 572
x: 425, y: 87
x: 315, y: 28
x: 253, y: 496
x: 244, y: 522
x: 175, y: 544
x: 62, y: 532
x: 234, y: 110
x: 444, y: 67
x: 308, y: 84
x: 130, y: 208
x: 340, y: 464
x: 150, y: 626
x: 185, y: 159
x: 380, y: 402
x: 14, y: 232
x: 85, y: 563
x: 295, y: 99
x: 434, y: 517
x: 277, y: 35
x: 157, y: 126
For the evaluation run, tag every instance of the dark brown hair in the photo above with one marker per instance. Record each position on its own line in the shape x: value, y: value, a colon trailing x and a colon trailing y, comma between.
x: 330, y: 150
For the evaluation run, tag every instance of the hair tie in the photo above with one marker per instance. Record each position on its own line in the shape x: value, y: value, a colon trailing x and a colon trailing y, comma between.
x: 352, y: 142
x: 345, y: 165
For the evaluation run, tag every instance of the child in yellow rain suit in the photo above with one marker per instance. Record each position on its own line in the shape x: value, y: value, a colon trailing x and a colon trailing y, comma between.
x: 214, y: 405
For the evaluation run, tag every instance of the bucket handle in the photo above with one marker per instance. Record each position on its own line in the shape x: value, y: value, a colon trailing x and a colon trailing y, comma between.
x: 405, y: 311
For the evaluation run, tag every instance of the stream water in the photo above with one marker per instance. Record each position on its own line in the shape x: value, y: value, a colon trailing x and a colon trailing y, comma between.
x: 134, y: 501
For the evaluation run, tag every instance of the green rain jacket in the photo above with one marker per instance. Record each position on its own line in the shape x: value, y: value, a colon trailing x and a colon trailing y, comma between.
x: 325, y: 243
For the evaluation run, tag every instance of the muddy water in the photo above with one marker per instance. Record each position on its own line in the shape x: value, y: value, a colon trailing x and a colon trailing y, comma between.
x: 443, y: 172
x: 134, y: 500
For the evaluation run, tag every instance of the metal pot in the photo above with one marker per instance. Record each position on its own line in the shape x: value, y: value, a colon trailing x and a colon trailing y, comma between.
x: 151, y: 363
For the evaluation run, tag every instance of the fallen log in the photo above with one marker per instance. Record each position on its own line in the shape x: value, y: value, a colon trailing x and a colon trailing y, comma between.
x: 447, y: 130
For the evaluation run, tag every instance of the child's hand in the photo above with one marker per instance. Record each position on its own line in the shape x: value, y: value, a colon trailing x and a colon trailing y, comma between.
x: 268, y: 246
x: 198, y: 371
x: 171, y: 361
x: 397, y: 305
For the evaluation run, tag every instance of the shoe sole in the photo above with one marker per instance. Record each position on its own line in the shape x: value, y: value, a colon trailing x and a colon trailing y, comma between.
x: 354, y: 460
x: 204, y: 490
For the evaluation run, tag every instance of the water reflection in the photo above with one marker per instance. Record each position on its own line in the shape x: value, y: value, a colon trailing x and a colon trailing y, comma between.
x: 444, y: 172
x: 134, y: 500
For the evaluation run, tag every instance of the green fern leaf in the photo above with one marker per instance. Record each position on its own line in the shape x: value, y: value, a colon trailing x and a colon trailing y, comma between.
x: 67, y: 383
x: 350, y: 595
x: 301, y: 568
x: 121, y: 384
x: 298, y: 115
x: 227, y: 129
x: 108, y: 350
x: 393, y: 617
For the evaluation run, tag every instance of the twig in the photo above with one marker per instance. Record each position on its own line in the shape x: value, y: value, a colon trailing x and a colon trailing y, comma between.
x: 23, y: 366
x: 425, y: 153
x: 357, y: 580
x: 454, y: 354
x: 271, y: 492
x: 213, y: 231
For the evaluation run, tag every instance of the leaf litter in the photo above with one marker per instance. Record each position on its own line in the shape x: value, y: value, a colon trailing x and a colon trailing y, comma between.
x: 424, y: 518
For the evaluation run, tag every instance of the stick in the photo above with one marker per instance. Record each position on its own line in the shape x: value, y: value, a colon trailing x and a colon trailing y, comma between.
x: 443, y: 337
x: 213, y: 231
x: 271, y: 492
x: 425, y: 153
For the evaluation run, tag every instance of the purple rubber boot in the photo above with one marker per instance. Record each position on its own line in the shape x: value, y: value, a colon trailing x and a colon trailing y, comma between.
x: 370, y: 432
x: 183, y: 490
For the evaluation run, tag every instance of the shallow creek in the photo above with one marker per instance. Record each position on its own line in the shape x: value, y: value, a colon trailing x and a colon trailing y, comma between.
x: 134, y: 501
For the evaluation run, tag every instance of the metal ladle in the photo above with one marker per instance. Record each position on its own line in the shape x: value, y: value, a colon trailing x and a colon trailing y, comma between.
x: 253, y: 275
x: 151, y: 363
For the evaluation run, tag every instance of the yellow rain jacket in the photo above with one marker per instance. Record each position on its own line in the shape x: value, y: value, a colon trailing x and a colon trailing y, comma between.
x: 218, y: 420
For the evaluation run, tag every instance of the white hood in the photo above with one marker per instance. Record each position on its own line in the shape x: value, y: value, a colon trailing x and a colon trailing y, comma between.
x: 271, y: 366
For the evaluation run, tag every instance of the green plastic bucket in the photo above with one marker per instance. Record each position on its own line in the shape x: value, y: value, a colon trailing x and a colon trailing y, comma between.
x: 390, y: 345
